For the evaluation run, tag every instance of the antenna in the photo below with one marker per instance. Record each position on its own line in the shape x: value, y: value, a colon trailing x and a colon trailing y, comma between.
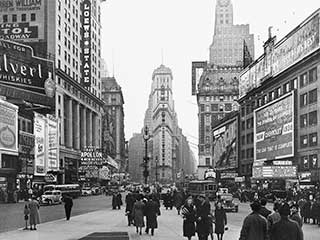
x: 161, y: 56
x: 112, y: 63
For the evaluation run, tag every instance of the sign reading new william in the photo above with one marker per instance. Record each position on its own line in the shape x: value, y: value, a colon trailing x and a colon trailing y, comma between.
x: 86, y: 43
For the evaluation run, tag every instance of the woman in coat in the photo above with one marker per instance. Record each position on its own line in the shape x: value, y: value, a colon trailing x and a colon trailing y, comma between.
x: 188, y: 212
x: 220, y: 220
x: 152, y: 211
x: 138, y: 214
x: 34, y: 213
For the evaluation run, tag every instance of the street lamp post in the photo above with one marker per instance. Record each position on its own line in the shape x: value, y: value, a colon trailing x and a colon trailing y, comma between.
x: 156, y: 169
x: 146, y: 137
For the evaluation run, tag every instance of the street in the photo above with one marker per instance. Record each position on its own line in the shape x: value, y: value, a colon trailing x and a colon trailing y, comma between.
x: 95, y: 215
x: 11, y: 215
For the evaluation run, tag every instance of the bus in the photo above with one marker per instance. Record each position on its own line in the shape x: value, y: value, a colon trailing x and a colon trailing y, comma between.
x: 206, y: 187
x: 72, y: 189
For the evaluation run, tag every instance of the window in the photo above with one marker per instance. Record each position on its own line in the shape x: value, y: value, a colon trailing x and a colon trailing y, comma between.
x: 294, y: 84
x: 243, y: 111
x: 5, y: 18
x: 313, y: 160
x: 313, y: 96
x: 33, y: 17
x: 207, y: 108
x: 243, y: 140
x: 304, y: 120
x: 214, y: 107
x: 59, y: 20
x: 249, y: 123
x: 304, y: 141
x: 14, y: 18
x: 228, y: 107
x: 23, y: 17
x: 243, y: 125
x: 313, y: 119
x: 313, y: 75
x: 303, y: 80
x: 208, y: 161
x: 286, y: 87
x: 201, y: 107
x: 278, y: 92
x: 243, y: 154
x: 303, y: 100
x: 313, y: 139
x: 207, y: 139
x: 305, y: 162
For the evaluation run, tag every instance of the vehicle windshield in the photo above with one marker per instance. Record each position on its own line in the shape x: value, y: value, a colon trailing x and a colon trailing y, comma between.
x: 47, y: 193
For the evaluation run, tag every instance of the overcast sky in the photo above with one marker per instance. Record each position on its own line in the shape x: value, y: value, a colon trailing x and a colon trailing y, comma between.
x: 135, y: 31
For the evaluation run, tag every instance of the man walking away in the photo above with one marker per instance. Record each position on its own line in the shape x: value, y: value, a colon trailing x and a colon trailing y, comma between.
x: 254, y: 225
x: 68, y: 204
x: 152, y: 211
x: 286, y: 229
x: 264, y: 211
x: 295, y: 216
x: 203, y: 224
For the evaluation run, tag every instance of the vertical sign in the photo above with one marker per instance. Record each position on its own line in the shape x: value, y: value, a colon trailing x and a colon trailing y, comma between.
x: 8, y: 127
x: 86, y: 43
x: 52, y: 143
x: 40, y: 148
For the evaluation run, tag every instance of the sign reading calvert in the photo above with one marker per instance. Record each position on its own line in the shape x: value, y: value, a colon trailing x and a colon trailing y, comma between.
x: 274, y: 130
x: 22, y: 75
x: 86, y: 43
x: 8, y: 127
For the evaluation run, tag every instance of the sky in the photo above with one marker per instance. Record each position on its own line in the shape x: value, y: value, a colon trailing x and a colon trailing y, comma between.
x: 137, y: 33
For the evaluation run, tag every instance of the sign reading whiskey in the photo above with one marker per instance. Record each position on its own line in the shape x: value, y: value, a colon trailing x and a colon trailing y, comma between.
x: 86, y: 43
x: 25, y: 76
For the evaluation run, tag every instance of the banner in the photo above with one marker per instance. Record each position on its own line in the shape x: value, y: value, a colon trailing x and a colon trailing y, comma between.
x: 8, y: 127
x: 40, y: 144
x: 273, y: 130
x: 52, y: 137
x: 274, y: 172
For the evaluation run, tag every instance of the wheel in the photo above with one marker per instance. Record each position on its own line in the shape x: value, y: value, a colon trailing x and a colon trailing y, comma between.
x: 50, y: 202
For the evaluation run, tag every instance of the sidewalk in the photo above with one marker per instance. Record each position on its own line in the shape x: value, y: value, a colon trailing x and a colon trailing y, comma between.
x: 170, y: 227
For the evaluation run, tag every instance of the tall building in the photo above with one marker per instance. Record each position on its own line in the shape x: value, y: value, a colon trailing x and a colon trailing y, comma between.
x: 216, y: 84
x: 68, y: 33
x: 136, y: 155
x: 113, y: 121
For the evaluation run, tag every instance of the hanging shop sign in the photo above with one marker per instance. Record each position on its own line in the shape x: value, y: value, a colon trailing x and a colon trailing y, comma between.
x: 86, y: 43
x: 8, y: 127
x: 40, y: 144
x: 52, y: 143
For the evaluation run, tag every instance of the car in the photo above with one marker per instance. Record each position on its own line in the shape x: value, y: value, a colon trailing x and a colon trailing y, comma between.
x: 95, y: 191
x: 228, y: 203
x: 86, y: 191
x: 51, y: 197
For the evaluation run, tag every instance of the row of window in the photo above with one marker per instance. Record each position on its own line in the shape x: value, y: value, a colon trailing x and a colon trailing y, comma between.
x: 308, y: 162
x: 310, y: 97
x: 14, y: 18
x: 249, y: 138
x: 248, y: 153
x: 309, y: 119
x: 247, y: 124
x: 309, y: 140
x: 216, y: 107
x: 25, y: 125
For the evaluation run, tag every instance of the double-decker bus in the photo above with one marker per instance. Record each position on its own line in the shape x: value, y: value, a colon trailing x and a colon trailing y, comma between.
x: 72, y: 189
x: 203, y: 187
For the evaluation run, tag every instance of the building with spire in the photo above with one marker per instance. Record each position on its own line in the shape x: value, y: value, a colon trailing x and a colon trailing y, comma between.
x: 216, y: 83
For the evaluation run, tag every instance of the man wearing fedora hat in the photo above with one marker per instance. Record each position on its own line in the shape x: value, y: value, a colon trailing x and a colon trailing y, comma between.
x: 202, y: 215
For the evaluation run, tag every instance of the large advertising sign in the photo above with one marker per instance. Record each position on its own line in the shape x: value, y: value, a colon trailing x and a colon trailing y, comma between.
x: 274, y: 172
x: 20, y: 5
x: 26, y: 152
x: 301, y: 42
x: 22, y: 75
x: 8, y: 127
x: 86, y: 43
x: 91, y: 161
x: 52, y: 141
x: 274, y: 130
x: 197, y: 70
x: 18, y: 31
x: 225, y: 146
x: 40, y: 144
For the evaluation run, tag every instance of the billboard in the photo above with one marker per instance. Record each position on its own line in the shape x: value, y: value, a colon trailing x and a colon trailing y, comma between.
x: 274, y: 172
x: 274, y: 130
x: 22, y: 75
x: 21, y: 5
x: 92, y: 160
x: 40, y: 144
x: 298, y: 44
x: 18, y: 31
x: 86, y: 43
x: 8, y: 127
x: 197, y: 70
x: 26, y: 152
x: 52, y: 143
x: 225, y: 145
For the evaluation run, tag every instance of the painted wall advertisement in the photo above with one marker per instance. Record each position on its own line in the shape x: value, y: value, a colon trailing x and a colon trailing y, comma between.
x: 22, y: 75
x: 274, y: 130
x: 8, y: 127
x: 86, y: 43
x: 52, y: 143
x: 225, y: 147
x: 294, y: 47
x: 40, y: 144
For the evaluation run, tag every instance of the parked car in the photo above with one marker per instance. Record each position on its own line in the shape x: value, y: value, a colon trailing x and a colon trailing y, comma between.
x: 51, y: 197
x: 228, y: 203
x: 86, y: 191
x: 95, y: 191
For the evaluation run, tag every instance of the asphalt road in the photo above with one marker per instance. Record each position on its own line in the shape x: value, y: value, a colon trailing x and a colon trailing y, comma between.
x: 12, y: 218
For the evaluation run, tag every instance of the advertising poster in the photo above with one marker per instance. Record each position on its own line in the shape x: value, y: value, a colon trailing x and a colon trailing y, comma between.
x: 52, y: 140
x: 274, y: 172
x: 225, y: 147
x: 8, y: 127
x: 91, y: 161
x: 273, y: 130
x: 40, y: 144
x: 26, y: 152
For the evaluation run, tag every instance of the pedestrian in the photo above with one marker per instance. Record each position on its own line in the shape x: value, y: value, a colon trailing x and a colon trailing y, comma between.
x: 34, y: 213
x: 286, y: 229
x: 274, y: 217
x: 254, y: 225
x: 152, y: 210
x: 220, y: 220
x: 188, y: 212
x: 178, y: 200
x: 68, y: 204
x: 294, y: 214
x: 26, y: 213
x: 138, y: 214
x: 203, y: 212
x: 264, y: 211
x: 313, y: 210
x: 306, y: 211
x: 129, y: 207
x: 119, y: 200
x: 168, y: 200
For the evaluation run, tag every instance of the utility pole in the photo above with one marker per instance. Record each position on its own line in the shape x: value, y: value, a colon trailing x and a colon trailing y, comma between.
x: 156, y: 169
x: 146, y: 137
